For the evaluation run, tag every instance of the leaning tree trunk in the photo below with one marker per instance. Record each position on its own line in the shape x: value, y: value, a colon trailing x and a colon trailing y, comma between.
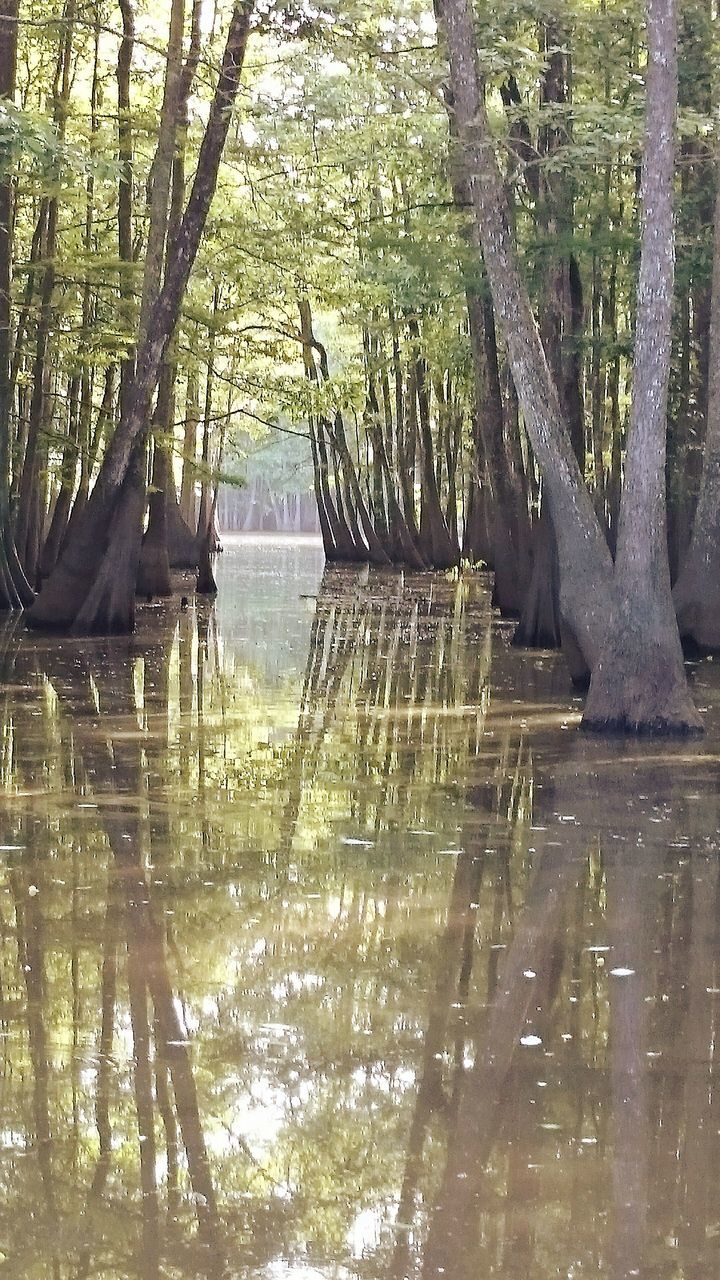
x: 63, y: 596
x: 586, y: 578
x: 168, y: 197
x: 641, y: 685
x: 639, y: 680
x: 697, y: 590
x: 508, y: 510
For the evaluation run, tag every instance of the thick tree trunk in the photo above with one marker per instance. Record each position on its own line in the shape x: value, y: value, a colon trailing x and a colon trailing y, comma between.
x: 64, y: 594
x: 639, y: 682
x: 109, y: 607
x: 622, y: 619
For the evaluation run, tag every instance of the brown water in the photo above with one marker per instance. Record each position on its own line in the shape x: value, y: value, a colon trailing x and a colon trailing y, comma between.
x: 330, y: 949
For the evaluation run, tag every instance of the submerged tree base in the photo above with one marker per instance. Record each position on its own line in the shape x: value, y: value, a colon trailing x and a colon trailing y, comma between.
x: 639, y: 685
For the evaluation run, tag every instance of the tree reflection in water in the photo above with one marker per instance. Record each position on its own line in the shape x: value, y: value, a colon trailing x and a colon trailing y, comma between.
x: 367, y: 970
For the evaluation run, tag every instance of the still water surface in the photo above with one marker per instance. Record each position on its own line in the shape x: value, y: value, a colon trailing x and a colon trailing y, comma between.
x: 330, y: 950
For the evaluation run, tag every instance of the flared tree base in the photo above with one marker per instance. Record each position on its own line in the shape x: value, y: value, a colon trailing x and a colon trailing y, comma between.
x: 639, y: 686
x: 91, y: 590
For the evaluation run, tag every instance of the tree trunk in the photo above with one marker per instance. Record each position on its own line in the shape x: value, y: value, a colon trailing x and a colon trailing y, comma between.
x: 435, y: 544
x: 375, y: 552
x: 153, y: 578
x: 539, y: 625
x: 30, y: 515
x: 337, y: 538
x: 639, y: 682
x: 192, y: 420
x: 697, y: 590
x: 622, y: 621
x: 182, y: 542
x: 89, y: 457
x: 15, y: 590
x: 586, y: 580
x: 63, y: 503
x: 64, y: 594
x: 125, y: 190
x: 168, y: 194
x: 208, y: 541
x: 109, y: 606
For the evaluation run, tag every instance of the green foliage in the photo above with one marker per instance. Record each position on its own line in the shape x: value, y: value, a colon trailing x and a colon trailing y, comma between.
x: 336, y: 186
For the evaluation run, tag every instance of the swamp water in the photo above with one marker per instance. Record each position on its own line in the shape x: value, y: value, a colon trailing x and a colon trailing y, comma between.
x: 330, y: 949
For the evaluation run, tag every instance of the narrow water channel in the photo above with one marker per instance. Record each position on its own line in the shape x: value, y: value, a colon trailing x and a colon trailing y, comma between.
x: 330, y: 950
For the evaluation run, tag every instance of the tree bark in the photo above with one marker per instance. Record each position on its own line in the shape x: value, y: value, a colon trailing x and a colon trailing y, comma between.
x: 639, y: 682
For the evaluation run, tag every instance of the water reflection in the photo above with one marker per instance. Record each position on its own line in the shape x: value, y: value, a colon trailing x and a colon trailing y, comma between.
x: 343, y: 955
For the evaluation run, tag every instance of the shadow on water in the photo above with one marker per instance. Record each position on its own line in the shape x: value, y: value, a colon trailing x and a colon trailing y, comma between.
x: 328, y: 949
